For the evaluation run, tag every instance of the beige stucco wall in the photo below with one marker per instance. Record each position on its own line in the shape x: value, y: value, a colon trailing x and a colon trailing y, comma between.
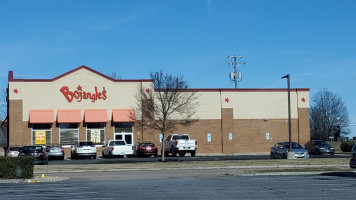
x: 246, y: 104
x: 47, y: 95
x: 251, y: 104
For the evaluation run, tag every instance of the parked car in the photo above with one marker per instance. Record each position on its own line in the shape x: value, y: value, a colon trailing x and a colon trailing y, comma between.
x: 353, y: 157
x: 321, y: 147
x: 280, y: 150
x: 145, y: 149
x: 55, y: 152
x: 116, y: 148
x: 12, y: 151
x: 37, y: 151
x: 181, y: 144
x: 83, y: 149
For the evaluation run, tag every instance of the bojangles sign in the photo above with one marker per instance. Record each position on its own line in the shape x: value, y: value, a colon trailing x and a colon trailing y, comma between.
x: 79, y: 94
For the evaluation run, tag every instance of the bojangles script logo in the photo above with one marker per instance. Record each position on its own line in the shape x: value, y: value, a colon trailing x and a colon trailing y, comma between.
x: 80, y: 94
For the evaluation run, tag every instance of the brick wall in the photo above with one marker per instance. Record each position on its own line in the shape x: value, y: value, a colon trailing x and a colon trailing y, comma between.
x: 15, y: 122
x: 304, y: 126
x: 248, y: 135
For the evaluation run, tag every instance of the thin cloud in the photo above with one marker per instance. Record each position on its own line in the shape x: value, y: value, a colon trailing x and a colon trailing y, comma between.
x: 21, y: 46
x: 117, y: 23
x: 208, y: 7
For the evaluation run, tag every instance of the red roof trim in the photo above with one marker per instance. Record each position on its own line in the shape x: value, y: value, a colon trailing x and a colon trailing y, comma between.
x: 245, y: 90
x: 11, y: 79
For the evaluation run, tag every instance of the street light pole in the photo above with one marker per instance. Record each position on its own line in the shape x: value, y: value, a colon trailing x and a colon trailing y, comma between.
x: 289, y: 113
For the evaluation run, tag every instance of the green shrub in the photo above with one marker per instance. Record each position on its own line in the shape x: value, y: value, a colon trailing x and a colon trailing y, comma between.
x: 346, y: 146
x: 17, y: 167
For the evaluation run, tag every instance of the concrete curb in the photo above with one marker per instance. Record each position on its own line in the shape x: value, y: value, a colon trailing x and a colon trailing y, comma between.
x: 45, y: 176
x: 37, y: 179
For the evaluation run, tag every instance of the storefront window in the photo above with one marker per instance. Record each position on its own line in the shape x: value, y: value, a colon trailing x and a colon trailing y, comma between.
x: 124, y: 131
x: 68, y: 133
x: 96, y: 132
x: 123, y: 127
x: 41, y: 134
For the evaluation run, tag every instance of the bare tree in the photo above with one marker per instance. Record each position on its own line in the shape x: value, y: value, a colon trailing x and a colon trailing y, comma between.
x: 114, y: 75
x: 169, y: 105
x: 328, y: 116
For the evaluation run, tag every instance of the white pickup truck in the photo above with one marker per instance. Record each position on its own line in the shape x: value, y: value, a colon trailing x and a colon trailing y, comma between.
x: 116, y: 148
x: 181, y: 144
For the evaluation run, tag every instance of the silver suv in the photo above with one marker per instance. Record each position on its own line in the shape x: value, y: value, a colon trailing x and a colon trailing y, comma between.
x: 83, y: 149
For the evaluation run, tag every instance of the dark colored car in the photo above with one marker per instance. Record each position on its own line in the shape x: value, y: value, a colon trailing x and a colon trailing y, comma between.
x: 321, y: 147
x: 55, y: 152
x: 353, y: 157
x: 145, y: 149
x: 38, y: 152
x: 280, y: 150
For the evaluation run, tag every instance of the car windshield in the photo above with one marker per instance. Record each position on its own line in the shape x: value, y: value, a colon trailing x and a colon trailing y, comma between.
x: 86, y: 143
x: 294, y: 146
x: 14, y: 148
x: 117, y: 143
x: 147, y: 144
x: 320, y: 143
x: 32, y: 149
x: 181, y: 137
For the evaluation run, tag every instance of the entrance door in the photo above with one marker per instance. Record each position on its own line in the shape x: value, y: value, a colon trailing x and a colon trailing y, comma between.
x: 128, y: 137
x: 124, y: 131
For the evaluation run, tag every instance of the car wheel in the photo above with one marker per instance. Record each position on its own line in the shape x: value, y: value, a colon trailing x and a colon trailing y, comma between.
x: 174, y: 153
x: 272, y: 156
x: 192, y: 153
x: 317, y: 152
x: 110, y: 154
x: 94, y: 157
x: 284, y: 156
x: 166, y: 153
x: 332, y: 153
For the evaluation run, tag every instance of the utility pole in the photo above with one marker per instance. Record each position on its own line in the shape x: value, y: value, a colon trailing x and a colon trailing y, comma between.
x: 236, y: 75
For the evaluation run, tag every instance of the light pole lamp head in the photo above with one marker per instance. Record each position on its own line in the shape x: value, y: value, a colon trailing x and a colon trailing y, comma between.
x: 286, y: 76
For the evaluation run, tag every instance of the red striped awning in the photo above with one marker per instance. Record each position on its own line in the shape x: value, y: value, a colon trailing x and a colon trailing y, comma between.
x: 96, y: 115
x: 123, y: 115
x: 69, y: 116
x: 41, y: 116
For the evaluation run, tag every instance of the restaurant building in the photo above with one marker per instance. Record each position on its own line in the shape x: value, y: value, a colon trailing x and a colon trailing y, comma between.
x: 84, y: 104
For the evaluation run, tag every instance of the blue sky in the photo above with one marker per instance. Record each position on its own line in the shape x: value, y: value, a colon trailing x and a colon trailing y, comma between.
x: 313, y: 41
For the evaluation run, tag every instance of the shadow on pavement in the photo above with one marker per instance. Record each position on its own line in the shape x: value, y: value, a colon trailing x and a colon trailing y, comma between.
x: 340, y: 174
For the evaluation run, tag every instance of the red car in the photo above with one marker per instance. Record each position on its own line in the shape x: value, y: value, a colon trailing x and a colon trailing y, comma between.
x: 145, y: 149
